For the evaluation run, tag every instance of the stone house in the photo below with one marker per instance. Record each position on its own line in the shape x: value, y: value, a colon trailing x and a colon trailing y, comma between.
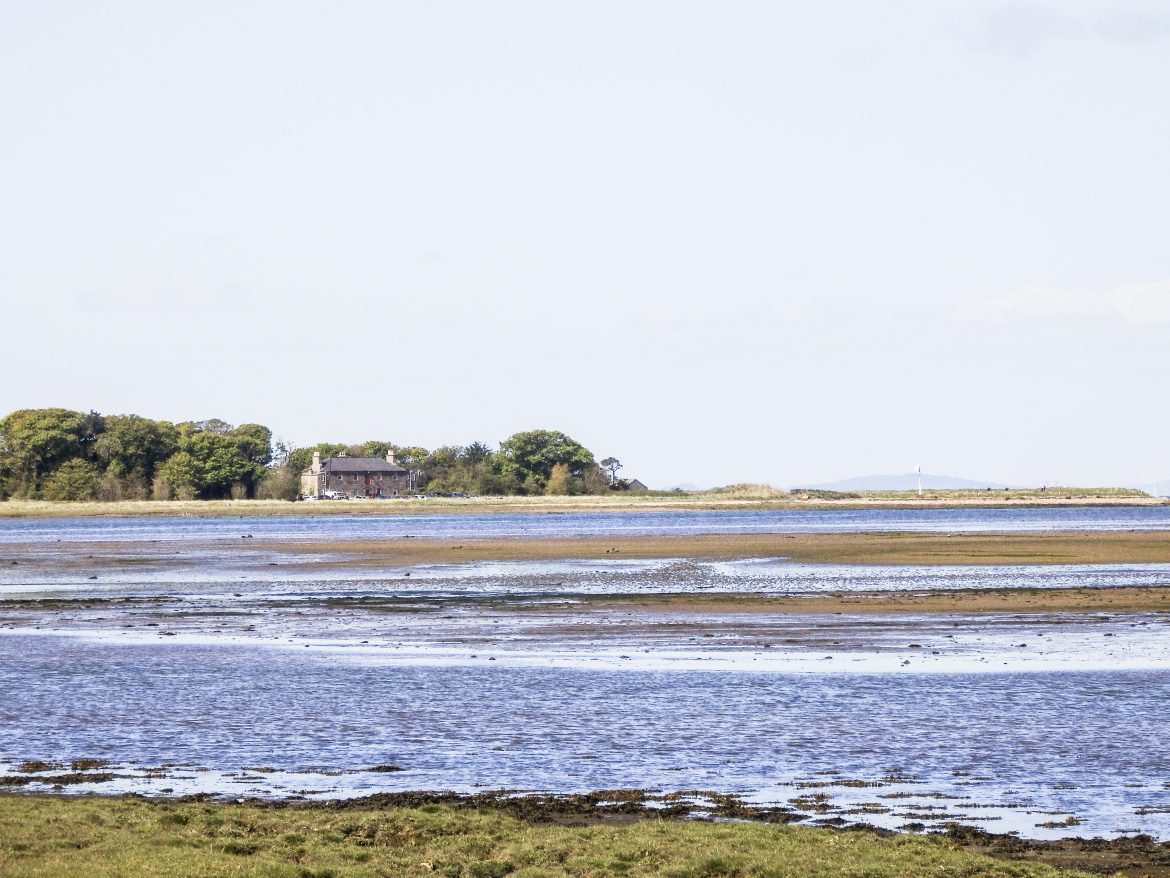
x: 355, y: 476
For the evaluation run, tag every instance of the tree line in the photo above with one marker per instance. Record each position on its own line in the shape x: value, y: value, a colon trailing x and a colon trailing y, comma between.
x: 59, y: 454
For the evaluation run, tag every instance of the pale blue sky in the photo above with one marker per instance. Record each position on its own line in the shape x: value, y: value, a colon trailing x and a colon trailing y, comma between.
x: 724, y: 242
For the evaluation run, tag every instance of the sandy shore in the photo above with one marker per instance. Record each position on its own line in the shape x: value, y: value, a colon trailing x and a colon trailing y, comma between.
x: 537, y: 505
x: 972, y: 602
x: 1112, y: 547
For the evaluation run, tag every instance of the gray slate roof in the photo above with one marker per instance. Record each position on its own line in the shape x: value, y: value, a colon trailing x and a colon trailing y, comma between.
x: 360, y: 465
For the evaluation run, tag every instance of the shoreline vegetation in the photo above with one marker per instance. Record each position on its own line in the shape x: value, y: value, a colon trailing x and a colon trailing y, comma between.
x: 97, y: 461
x: 60, y: 454
x: 615, y: 832
x: 736, y: 497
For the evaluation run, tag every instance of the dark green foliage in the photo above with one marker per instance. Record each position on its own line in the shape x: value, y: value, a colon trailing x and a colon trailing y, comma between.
x: 179, y: 478
x: 373, y: 448
x: 531, y: 456
x: 132, y: 445
x: 59, y: 454
x: 476, y: 452
x: 75, y: 479
x: 34, y: 442
x: 229, y: 458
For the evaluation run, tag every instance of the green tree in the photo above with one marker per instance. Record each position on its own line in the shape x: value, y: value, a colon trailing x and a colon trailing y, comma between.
x: 299, y: 459
x: 220, y: 463
x: 75, y: 479
x: 495, y: 484
x: 531, y: 456
x: 213, y: 425
x: 279, y: 483
x: 560, y: 480
x: 231, y: 460
x: 476, y: 453
x: 254, y: 445
x: 443, y: 465
x: 374, y: 448
x: 612, y: 464
x: 180, y: 477
x: 596, y: 480
x: 132, y: 447
x: 414, y: 458
x: 34, y: 442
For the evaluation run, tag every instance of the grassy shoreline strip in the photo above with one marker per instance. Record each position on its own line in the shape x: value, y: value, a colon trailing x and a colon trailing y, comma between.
x: 45, y: 836
x: 707, y: 501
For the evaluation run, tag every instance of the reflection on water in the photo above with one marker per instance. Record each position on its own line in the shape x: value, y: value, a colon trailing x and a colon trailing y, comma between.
x: 1002, y: 751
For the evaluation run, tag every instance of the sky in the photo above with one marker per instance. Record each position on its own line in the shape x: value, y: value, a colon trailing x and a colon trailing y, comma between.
x: 737, y: 242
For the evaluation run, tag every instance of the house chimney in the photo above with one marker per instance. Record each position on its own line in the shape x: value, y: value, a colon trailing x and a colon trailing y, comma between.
x: 316, y: 468
x: 390, y: 456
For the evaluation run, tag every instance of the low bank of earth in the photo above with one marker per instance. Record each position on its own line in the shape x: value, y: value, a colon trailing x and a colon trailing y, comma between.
x: 66, y: 836
x: 714, y: 500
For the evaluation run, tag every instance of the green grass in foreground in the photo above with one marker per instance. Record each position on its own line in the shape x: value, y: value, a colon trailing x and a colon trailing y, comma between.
x: 47, y: 836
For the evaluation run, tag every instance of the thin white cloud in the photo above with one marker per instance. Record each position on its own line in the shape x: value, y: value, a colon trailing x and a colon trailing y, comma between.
x: 1019, y: 28
x: 1135, y: 26
x: 1145, y: 304
x: 161, y: 300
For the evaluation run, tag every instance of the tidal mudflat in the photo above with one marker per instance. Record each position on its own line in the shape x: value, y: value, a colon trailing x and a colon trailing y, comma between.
x: 1016, y: 697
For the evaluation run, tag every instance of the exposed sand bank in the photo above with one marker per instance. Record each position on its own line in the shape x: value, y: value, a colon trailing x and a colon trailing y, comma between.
x: 615, y: 503
x: 1010, y: 601
x: 1112, y: 547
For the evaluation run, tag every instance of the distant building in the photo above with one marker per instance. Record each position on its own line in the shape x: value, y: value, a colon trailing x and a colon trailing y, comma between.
x: 629, y: 485
x: 355, y: 476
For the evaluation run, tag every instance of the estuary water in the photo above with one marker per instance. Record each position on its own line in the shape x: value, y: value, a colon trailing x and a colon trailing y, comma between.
x: 251, y: 673
x: 1023, y: 519
x: 1004, y: 752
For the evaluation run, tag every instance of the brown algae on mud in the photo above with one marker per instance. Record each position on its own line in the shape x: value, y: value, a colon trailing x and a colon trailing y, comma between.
x: 1040, y: 601
x: 1104, y: 547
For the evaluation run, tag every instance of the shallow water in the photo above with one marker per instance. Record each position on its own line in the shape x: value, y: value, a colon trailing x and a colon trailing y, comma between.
x: 570, y: 524
x: 204, y: 572
x: 548, y: 676
x: 1006, y: 752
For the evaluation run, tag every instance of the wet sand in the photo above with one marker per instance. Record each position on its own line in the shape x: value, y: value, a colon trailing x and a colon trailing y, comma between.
x: 1107, y: 547
x: 94, y: 560
x: 968, y: 602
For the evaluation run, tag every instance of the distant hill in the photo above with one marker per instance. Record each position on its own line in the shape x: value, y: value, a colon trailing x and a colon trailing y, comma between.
x: 904, y: 482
